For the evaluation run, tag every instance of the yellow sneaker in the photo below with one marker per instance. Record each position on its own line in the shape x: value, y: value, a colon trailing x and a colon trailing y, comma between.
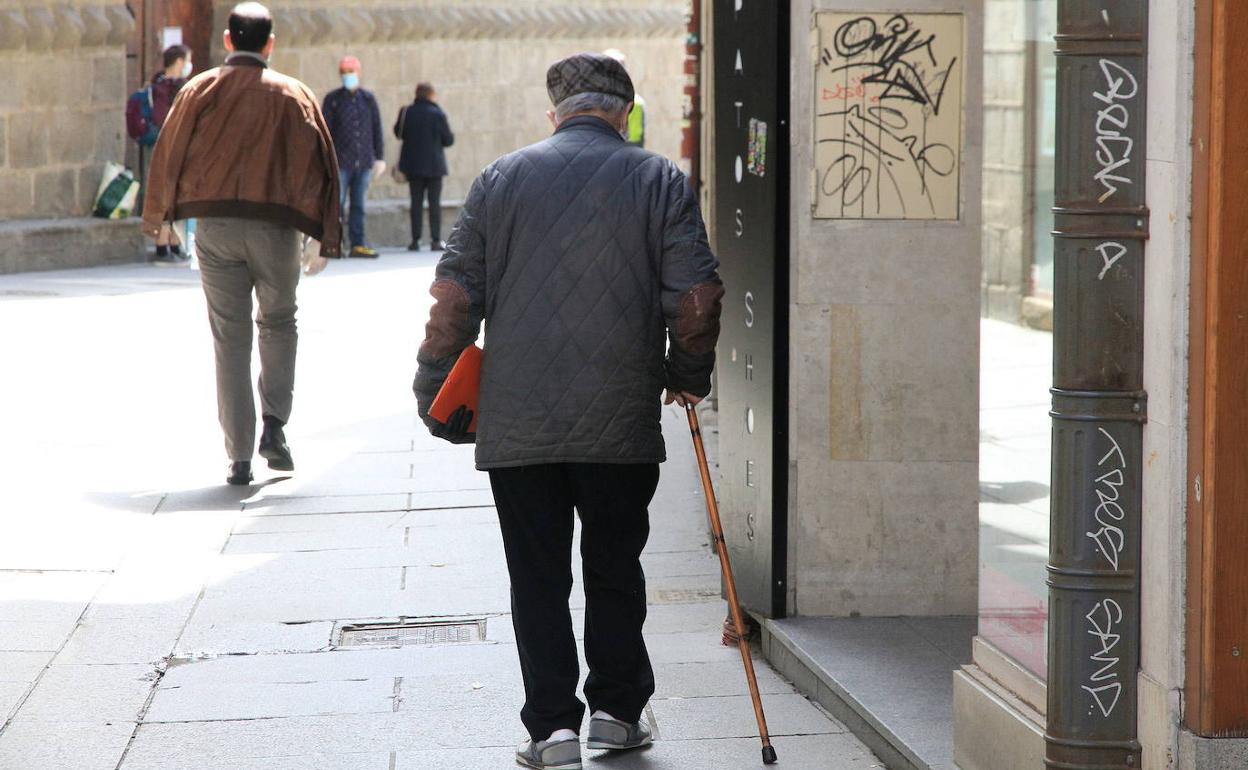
x: 367, y: 252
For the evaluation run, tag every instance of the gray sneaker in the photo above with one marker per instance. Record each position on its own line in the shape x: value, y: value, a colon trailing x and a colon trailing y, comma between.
x: 617, y: 735
x: 544, y: 755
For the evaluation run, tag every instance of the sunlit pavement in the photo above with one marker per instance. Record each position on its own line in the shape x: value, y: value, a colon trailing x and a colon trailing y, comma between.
x: 152, y: 617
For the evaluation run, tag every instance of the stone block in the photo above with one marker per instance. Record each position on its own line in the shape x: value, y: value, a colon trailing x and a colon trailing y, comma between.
x: 95, y: 26
x: 89, y: 178
x: 110, y: 134
x: 40, y: 27
x: 121, y: 24
x: 1004, y: 24
x: 904, y: 541
x: 108, y: 80
x: 55, y: 192
x: 53, y: 244
x: 69, y: 27
x: 28, y: 139
x: 13, y: 28
x: 992, y: 730
x: 73, y: 138
x: 16, y: 194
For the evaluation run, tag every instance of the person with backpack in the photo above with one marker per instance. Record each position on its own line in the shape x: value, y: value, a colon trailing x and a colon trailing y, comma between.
x: 425, y: 133
x: 146, y: 111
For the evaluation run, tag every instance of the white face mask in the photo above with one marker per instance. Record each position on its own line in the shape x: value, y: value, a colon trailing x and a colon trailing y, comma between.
x: 186, y: 69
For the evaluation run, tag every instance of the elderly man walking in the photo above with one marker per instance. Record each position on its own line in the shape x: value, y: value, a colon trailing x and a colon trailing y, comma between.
x: 246, y: 151
x: 583, y: 255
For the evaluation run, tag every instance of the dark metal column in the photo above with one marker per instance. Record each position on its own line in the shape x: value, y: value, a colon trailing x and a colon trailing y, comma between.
x: 1101, y: 223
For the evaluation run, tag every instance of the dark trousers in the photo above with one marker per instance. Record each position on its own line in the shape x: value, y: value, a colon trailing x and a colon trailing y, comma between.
x: 354, y: 190
x: 535, y: 508
x: 419, y: 186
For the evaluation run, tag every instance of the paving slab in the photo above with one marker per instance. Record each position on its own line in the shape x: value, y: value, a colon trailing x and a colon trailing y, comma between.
x: 36, y: 745
x: 245, y: 586
x: 23, y: 666
x: 479, y: 661
x: 370, y: 760
x: 110, y: 640
x: 674, y: 681
x: 89, y: 693
x: 893, y: 675
x: 202, y: 639
x: 53, y: 597
x: 243, y: 700
x: 802, y: 752
x: 732, y: 716
x: 340, y: 503
x: 11, y: 694
x: 34, y: 635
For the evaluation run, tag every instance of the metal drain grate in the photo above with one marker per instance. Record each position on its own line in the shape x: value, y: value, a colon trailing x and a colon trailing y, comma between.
x: 411, y: 633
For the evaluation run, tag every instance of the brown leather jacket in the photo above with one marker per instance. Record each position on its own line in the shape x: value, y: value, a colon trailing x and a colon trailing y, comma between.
x: 244, y: 141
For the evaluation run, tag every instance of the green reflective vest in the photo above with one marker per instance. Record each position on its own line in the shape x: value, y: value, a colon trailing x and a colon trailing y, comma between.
x: 637, y: 122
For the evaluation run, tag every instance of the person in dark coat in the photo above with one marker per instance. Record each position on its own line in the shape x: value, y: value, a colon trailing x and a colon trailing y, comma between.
x: 425, y: 133
x: 587, y: 258
x: 355, y: 123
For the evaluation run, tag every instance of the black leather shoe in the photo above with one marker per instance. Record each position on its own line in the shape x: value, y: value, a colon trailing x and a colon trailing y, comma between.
x: 437, y: 246
x: 273, y: 446
x: 413, y: 246
x: 240, y: 473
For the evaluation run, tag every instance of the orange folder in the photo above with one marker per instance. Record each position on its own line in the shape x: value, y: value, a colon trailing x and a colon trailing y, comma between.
x: 462, y: 388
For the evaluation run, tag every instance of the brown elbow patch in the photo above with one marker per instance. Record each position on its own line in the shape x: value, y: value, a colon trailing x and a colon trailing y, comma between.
x: 446, y: 332
x: 697, y: 326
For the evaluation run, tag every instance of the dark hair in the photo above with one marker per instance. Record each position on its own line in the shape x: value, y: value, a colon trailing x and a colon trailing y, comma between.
x: 250, y: 27
x: 424, y: 90
x: 173, y: 53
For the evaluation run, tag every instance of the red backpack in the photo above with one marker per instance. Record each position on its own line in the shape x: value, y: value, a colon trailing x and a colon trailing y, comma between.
x: 139, y: 124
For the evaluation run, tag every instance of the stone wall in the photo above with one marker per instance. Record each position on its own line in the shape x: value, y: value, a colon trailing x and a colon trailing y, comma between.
x: 884, y: 329
x: 62, y: 104
x: 488, y: 63
x: 1006, y: 212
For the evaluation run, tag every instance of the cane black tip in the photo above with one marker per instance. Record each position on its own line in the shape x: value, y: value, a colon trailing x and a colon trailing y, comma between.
x: 769, y: 755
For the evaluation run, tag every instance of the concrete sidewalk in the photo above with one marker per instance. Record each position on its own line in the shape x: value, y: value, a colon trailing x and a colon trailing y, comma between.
x: 151, y: 617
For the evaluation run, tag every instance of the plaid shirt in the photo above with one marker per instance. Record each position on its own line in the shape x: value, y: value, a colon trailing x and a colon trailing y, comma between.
x: 355, y: 124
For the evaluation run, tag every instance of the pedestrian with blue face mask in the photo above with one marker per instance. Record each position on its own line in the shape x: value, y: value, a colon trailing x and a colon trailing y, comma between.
x: 355, y: 123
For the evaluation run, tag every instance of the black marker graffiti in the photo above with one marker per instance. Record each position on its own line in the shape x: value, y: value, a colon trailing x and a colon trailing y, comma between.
x: 884, y: 86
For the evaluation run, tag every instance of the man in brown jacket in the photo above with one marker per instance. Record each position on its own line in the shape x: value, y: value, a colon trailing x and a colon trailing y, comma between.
x: 246, y: 151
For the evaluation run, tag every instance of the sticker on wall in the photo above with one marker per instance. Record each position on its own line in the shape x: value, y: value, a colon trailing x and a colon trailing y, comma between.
x: 756, y: 159
x: 888, y: 115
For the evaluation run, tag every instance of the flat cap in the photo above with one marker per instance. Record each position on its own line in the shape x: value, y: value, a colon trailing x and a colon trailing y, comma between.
x: 588, y: 72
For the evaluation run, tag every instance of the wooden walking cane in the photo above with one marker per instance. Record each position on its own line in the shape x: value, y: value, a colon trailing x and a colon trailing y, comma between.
x: 717, y: 532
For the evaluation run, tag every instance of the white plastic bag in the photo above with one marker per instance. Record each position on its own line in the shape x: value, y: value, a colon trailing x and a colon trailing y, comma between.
x: 117, y: 194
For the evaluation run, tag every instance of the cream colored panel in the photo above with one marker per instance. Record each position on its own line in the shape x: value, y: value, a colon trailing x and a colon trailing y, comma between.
x: 888, y: 115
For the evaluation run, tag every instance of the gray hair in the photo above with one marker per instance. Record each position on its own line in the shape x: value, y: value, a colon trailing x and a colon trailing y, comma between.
x: 590, y: 101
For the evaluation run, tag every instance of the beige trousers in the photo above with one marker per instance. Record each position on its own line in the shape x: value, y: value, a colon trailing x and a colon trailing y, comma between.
x: 237, y: 257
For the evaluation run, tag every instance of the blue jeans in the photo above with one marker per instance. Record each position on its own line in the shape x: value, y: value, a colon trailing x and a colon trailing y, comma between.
x: 355, y: 184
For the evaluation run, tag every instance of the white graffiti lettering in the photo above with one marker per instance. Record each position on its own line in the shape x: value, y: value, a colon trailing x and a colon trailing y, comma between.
x: 1111, y: 252
x: 1113, y: 147
x: 1105, y: 686
x: 1109, y: 538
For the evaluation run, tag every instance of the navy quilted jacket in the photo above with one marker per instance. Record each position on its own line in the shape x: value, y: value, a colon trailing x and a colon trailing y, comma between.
x: 587, y: 259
